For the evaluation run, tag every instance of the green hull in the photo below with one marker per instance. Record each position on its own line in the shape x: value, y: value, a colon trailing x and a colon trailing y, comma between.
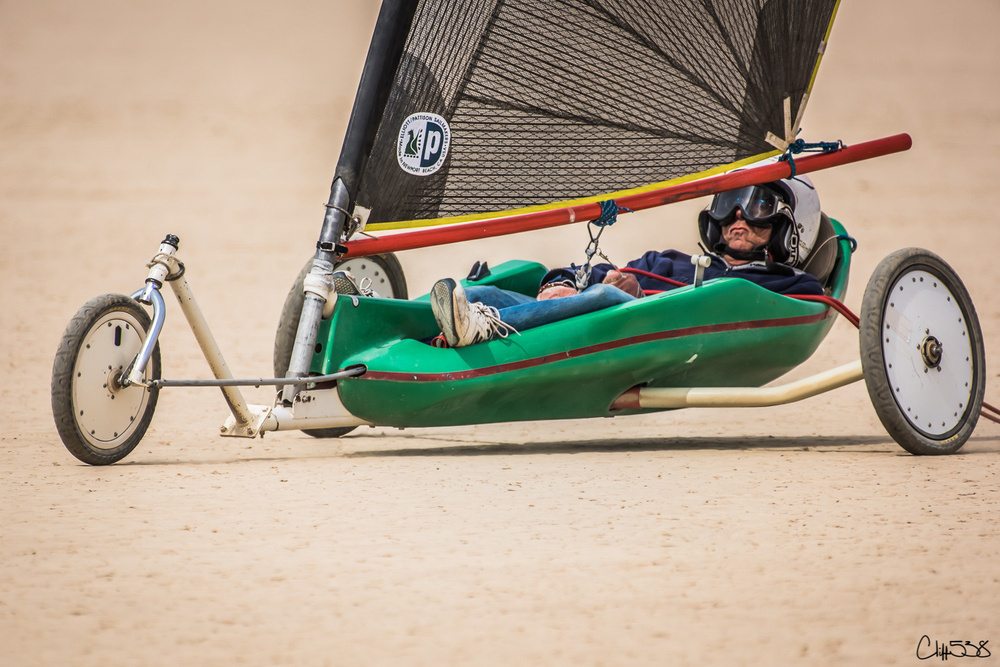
x: 728, y: 332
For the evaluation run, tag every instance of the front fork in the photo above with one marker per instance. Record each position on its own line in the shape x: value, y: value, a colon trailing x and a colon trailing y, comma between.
x: 159, y: 270
x: 322, y: 409
x: 165, y: 267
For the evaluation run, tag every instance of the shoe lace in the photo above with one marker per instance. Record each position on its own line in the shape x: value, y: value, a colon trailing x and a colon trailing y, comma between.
x: 486, y: 323
x: 365, y: 287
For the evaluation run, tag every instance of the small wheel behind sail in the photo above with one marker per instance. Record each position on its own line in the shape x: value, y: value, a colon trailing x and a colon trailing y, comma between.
x: 387, y: 279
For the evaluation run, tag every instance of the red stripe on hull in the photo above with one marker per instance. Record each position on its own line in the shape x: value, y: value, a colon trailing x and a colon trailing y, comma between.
x: 470, y: 374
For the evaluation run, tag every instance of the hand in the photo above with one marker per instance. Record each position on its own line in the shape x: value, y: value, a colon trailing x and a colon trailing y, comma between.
x: 556, y: 292
x: 626, y: 282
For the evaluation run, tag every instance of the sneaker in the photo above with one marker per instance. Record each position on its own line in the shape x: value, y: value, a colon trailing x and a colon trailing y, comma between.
x: 463, y: 323
x: 345, y: 283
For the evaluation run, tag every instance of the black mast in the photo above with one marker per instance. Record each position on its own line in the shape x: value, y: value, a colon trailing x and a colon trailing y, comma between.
x: 384, y: 53
x: 391, y: 29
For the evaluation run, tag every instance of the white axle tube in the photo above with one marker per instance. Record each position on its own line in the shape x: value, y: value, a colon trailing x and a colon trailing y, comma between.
x: 281, y: 418
x: 312, y: 409
x: 738, y: 397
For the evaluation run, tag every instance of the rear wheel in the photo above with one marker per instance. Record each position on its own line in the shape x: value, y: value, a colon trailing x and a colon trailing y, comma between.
x: 384, y: 271
x: 387, y: 279
x: 922, y: 352
x: 99, y: 420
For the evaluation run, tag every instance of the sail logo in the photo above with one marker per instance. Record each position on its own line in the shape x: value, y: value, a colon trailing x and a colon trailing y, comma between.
x: 423, y: 143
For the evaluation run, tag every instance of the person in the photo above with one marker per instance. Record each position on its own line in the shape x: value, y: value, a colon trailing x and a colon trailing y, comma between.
x: 762, y: 233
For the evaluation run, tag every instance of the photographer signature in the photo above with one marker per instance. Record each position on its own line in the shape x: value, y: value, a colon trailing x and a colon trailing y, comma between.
x: 953, y: 649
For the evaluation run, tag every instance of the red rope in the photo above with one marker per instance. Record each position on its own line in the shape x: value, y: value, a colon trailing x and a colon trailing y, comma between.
x: 833, y: 303
x: 987, y: 409
x: 640, y: 272
x: 828, y: 300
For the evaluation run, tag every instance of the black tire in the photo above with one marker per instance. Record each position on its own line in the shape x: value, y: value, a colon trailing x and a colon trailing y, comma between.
x: 922, y: 352
x: 99, y: 421
x: 388, y: 280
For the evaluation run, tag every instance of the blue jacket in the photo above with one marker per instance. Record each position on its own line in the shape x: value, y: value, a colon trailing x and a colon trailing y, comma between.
x: 677, y: 266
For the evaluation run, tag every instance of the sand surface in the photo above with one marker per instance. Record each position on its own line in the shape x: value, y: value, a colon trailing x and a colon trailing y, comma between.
x: 792, y: 535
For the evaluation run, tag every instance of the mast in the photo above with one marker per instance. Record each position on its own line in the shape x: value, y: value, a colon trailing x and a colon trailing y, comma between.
x: 391, y: 29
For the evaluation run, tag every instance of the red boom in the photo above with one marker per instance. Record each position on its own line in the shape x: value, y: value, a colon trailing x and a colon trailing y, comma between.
x: 524, y: 222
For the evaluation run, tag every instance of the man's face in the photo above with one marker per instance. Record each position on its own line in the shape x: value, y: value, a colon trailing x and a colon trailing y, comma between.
x: 739, y: 235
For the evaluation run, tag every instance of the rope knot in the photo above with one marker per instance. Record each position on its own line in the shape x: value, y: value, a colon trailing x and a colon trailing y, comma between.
x: 609, y: 213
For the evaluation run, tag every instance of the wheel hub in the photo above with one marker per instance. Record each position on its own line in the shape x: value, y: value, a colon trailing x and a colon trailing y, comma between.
x: 114, y: 383
x: 930, y: 351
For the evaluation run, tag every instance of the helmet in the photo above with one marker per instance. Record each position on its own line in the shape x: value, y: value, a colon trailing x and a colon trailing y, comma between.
x: 790, y: 206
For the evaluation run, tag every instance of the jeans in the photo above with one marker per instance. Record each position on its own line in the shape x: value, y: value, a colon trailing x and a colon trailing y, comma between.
x: 525, y: 312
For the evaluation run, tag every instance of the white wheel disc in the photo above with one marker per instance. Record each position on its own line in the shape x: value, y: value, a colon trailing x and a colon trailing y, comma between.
x: 920, y: 315
x: 105, y: 412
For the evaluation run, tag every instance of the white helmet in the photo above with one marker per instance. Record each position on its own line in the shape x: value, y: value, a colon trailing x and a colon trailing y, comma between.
x: 795, y: 220
x: 806, y: 214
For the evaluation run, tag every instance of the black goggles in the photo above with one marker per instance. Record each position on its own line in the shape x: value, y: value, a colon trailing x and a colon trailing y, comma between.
x: 757, y: 203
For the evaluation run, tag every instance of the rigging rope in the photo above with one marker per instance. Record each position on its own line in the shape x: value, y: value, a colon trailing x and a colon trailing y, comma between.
x: 609, y: 216
x: 800, y: 146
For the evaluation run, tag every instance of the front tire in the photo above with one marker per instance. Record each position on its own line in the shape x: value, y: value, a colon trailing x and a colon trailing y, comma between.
x: 922, y: 352
x: 98, y: 419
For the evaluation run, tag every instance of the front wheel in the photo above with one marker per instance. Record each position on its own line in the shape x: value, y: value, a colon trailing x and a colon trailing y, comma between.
x: 922, y: 352
x: 99, y: 420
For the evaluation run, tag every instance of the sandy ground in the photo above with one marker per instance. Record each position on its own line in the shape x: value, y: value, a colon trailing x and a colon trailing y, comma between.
x: 799, y: 534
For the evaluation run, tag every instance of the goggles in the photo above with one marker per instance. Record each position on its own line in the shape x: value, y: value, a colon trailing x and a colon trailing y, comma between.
x: 757, y: 203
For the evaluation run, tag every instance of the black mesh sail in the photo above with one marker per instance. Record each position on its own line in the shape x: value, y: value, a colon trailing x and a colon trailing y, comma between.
x: 512, y: 105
